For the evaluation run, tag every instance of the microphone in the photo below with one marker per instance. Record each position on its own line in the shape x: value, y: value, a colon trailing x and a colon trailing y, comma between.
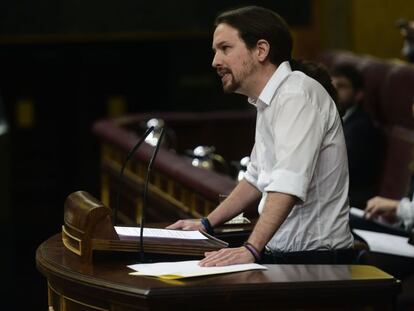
x: 145, y: 194
x: 121, y: 174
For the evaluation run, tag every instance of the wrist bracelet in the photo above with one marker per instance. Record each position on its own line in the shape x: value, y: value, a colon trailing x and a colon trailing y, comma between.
x: 207, y: 225
x: 253, y: 251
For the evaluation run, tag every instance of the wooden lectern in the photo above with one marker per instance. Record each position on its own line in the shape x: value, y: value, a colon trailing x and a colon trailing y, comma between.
x: 88, y: 228
x: 74, y: 285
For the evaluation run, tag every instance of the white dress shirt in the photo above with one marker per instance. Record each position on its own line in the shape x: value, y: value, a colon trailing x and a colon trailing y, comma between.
x: 300, y: 150
x: 405, y: 212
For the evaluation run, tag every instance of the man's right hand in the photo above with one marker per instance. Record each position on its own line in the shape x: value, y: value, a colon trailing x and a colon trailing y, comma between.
x: 187, y: 224
x: 381, y: 206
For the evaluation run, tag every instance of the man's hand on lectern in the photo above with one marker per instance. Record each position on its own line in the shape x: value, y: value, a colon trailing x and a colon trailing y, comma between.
x: 227, y: 256
x: 187, y: 224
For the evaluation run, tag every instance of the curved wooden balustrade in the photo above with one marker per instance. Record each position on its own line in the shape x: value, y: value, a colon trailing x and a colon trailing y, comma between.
x: 177, y: 189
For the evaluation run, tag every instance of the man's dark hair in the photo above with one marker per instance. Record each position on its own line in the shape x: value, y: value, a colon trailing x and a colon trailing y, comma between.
x: 350, y: 73
x: 255, y: 23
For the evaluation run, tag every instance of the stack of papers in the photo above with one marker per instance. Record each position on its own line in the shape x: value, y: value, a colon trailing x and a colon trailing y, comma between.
x: 160, y: 233
x: 386, y: 243
x: 186, y: 269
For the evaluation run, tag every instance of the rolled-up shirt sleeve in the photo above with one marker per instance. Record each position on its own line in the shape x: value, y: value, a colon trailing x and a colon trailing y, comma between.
x: 251, y: 174
x: 298, y: 135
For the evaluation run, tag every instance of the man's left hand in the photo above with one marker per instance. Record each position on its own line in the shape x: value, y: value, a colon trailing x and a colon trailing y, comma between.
x: 227, y: 256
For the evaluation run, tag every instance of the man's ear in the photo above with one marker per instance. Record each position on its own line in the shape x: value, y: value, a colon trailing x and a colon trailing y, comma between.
x: 263, y: 49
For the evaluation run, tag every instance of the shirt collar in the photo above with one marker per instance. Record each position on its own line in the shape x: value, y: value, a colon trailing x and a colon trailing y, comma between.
x: 349, y: 112
x: 265, y: 97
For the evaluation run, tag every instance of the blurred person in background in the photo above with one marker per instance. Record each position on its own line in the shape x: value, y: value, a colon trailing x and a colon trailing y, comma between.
x: 364, y: 141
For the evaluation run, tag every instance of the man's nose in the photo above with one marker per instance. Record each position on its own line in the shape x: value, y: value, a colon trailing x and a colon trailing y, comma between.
x: 216, y: 61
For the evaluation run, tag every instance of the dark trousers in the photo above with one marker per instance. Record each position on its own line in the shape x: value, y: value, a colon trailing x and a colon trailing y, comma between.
x: 339, y: 256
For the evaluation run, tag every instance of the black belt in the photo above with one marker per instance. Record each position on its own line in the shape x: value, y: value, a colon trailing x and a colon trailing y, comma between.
x: 335, y: 256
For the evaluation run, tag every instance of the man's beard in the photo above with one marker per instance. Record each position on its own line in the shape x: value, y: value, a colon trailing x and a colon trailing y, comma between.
x: 233, y: 83
x: 230, y: 84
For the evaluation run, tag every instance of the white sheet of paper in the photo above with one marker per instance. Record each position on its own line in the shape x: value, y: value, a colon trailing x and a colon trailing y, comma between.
x: 356, y: 212
x: 160, y: 233
x: 386, y: 243
x: 185, y: 269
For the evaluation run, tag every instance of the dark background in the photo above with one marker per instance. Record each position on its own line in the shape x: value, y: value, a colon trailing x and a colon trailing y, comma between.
x: 65, y: 64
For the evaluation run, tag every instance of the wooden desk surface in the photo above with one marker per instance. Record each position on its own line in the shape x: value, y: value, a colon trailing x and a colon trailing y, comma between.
x: 106, y: 285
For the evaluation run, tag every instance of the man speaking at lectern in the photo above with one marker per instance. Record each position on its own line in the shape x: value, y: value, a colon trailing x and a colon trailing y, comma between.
x: 298, y: 163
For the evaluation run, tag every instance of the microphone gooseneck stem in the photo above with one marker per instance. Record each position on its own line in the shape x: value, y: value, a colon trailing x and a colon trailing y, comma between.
x: 121, y: 174
x: 145, y: 194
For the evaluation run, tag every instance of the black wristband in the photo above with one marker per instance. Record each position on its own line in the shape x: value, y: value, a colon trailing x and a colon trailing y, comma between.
x: 207, y: 225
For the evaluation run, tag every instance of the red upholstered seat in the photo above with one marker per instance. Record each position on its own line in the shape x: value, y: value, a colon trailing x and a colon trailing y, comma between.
x: 374, y: 72
x: 397, y: 171
x: 397, y: 96
x: 389, y: 95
